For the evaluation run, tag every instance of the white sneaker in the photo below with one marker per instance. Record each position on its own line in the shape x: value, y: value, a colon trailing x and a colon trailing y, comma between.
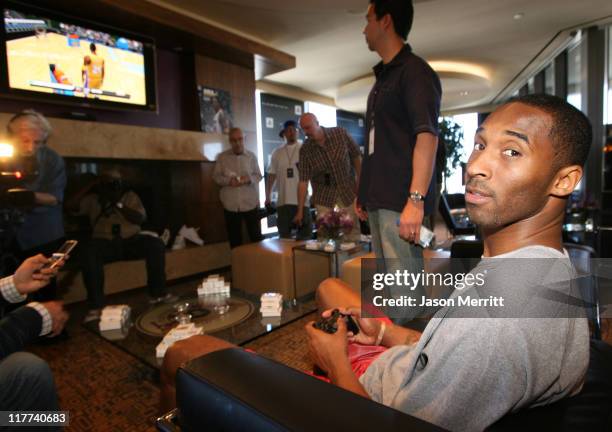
x: 179, y: 242
x: 191, y: 234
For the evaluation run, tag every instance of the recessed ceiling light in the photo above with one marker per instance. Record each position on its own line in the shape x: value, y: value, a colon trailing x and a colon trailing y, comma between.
x: 518, y: 16
x: 463, y: 93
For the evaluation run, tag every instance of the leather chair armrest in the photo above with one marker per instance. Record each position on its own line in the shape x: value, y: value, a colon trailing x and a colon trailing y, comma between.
x: 234, y: 389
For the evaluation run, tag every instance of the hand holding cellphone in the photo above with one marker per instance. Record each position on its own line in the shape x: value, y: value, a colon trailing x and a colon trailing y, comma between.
x: 61, y: 254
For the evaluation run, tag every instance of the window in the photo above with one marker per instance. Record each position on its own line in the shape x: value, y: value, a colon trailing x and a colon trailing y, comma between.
x: 469, y: 124
x: 326, y: 114
x: 608, y: 83
x: 531, y: 85
x: 574, y: 78
x: 549, y: 79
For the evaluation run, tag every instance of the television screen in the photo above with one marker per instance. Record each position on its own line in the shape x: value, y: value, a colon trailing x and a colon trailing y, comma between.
x: 58, y: 57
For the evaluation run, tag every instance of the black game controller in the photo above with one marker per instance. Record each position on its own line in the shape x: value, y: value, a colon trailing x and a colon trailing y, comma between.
x: 329, y: 325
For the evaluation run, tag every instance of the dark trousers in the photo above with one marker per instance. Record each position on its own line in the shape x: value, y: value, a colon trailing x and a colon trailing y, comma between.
x: 233, y: 222
x: 26, y: 384
x: 102, y: 251
x: 284, y: 222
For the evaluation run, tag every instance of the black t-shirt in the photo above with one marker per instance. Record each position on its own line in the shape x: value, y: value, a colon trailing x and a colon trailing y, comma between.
x: 404, y: 102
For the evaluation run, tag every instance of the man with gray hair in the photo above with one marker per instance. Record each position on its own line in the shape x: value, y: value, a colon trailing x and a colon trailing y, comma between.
x: 237, y: 173
x: 42, y: 230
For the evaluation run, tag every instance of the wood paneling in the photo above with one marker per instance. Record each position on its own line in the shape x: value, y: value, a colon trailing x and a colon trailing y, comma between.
x: 198, y: 195
x: 202, y: 203
x: 240, y: 83
x: 276, y: 59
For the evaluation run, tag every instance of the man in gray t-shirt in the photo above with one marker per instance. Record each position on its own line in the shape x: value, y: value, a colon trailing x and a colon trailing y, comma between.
x: 472, y: 366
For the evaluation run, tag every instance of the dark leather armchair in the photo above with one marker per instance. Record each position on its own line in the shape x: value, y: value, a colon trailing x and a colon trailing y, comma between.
x: 234, y: 390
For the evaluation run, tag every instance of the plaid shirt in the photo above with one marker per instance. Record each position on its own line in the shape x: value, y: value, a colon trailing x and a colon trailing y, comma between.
x: 11, y: 295
x: 329, y: 168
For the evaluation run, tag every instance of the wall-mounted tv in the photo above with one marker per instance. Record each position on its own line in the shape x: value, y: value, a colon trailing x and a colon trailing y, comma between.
x: 52, y: 57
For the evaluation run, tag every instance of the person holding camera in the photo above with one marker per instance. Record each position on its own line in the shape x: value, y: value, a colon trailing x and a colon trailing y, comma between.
x: 42, y: 230
x: 26, y: 382
x: 116, y: 215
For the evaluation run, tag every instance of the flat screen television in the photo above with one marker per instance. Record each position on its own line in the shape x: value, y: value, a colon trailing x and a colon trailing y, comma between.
x: 67, y: 60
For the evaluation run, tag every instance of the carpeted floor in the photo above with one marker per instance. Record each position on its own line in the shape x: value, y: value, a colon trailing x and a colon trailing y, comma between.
x: 107, y: 389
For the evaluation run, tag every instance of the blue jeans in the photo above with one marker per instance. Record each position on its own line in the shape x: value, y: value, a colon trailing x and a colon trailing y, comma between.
x: 26, y: 384
x: 392, y: 254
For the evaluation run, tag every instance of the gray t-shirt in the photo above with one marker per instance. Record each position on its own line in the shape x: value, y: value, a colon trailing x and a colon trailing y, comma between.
x: 466, y: 373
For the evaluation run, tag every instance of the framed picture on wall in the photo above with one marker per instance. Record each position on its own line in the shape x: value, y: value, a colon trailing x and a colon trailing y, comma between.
x: 215, y: 110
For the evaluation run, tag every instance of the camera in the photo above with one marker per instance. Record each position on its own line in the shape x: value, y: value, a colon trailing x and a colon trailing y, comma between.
x: 15, y: 172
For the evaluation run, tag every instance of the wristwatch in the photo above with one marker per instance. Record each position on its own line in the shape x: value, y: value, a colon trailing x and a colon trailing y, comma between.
x: 119, y: 205
x: 416, y: 197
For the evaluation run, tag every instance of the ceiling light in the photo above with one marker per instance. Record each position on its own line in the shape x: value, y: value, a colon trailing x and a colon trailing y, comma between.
x: 463, y: 93
x: 460, y: 67
x: 518, y: 16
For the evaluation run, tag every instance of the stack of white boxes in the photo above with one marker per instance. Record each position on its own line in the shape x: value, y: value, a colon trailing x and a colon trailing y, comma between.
x: 214, y: 284
x: 114, y: 317
x: 181, y: 331
x: 271, y: 304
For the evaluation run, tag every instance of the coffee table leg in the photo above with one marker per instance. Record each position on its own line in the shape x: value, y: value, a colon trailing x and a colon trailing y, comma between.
x: 294, y: 301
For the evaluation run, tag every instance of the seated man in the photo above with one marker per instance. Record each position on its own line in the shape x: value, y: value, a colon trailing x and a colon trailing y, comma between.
x: 26, y: 382
x: 465, y: 373
x: 116, y: 215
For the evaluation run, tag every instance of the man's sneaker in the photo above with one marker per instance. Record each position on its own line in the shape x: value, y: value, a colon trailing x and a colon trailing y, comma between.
x: 168, y: 298
x: 191, y: 234
x: 179, y: 242
x: 92, y: 315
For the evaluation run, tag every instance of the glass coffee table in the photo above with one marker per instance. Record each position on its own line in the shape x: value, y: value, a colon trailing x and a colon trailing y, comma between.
x: 335, y: 257
x: 235, y: 319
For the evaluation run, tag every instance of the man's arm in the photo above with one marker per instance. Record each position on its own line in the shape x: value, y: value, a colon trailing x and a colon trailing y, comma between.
x: 270, y: 179
x: 372, y: 329
x: 302, y: 191
x: 357, y: 167
x: 45, y: 199
x: 255, y: 174
x: 218, y: 172
x: 73, y: 203
x: 49, y: 187
x: 423, y: 161
x: 329, y: 352
x: 130, y: 207
x: 18, y: 329
x: 22, y: 326
x: 25, y: 324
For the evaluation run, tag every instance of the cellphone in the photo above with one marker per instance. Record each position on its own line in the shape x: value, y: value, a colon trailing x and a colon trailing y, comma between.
x: 61, y: 253
x: 426, y: 235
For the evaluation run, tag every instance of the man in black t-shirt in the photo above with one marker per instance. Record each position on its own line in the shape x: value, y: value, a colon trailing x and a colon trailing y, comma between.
x: 396, y: 190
